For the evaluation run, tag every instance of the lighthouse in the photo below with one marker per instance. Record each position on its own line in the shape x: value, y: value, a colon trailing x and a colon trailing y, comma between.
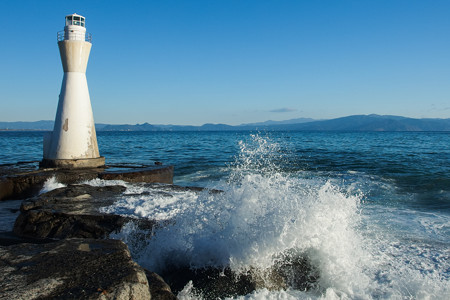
x: 73, y: 141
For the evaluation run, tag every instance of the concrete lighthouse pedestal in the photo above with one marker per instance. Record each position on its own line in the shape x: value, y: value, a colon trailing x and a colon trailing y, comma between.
x: 73, y: 141
x: 73, y: 163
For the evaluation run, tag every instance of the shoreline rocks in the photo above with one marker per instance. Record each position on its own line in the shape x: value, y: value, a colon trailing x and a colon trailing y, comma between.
x: 75, y: 269
x: 72, y: 211
x: 21, y: 182
x: 59, y: 247
x: 58, y: 233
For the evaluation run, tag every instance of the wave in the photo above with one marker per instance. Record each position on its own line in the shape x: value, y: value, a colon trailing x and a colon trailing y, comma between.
x: 274, y: 234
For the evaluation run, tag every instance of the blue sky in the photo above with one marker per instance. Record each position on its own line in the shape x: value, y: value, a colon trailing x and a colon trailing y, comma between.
x: 233, y: 62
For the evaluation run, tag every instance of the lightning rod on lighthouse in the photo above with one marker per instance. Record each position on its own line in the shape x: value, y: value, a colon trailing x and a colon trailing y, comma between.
x: 73, y: 141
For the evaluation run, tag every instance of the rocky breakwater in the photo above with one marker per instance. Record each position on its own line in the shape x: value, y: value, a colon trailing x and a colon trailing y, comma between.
x: 60, y: 248
x: 23, y: 180
x: 62, y: 251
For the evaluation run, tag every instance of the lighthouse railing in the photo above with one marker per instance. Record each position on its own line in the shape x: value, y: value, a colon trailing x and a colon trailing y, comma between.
x: 74, y: 36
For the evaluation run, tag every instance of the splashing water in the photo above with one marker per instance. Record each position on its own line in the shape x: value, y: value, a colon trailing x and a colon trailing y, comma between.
x: 296, y: 236
x: 265, y: 219
x: 51, y: 184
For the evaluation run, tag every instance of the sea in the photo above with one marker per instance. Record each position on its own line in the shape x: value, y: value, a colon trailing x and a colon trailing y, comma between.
x: 315, y: 215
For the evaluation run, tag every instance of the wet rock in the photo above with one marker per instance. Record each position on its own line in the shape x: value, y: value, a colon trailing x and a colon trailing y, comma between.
x: 72, y: 211
x: 178, y: 188
x: 27, y: 184
x: 21, y: 183
x: 8, y: 238
x: 296, y: 271
x: 72, y: 269
x: 159, y: 289
x: 16, y: 187
x: 150, y: 174
x: 210, y: 283
x: 35, y: 265
x: 292, y: 270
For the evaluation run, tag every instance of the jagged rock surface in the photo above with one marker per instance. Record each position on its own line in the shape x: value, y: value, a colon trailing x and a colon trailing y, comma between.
x: 159, y: 289
x: 71, y: 269
x: 72, y: 211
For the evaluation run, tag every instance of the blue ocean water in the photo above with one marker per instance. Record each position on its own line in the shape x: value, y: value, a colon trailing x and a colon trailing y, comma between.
x: 370, y: 210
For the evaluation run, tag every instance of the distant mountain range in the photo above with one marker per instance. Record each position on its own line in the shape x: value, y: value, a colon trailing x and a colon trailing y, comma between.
x: 350, y: 123
x: 291, y: 121
x: 38, y: 125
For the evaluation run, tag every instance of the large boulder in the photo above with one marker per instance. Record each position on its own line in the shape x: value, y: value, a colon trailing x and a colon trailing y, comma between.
x: 75, y: 269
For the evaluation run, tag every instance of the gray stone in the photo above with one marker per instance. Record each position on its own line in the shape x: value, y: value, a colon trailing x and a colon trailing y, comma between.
x: 149, y: 174
x: 72, y: 211
x: 71, y: 269
x: 293, y: 270
x: 159, y: 289
x: 33, y: 265
x: 21, y: 183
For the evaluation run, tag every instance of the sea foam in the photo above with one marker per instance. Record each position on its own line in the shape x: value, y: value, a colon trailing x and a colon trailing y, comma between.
x: 266, y: 218
x: 262, y: 217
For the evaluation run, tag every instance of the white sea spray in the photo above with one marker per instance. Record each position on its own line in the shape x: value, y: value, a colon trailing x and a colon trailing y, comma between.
x: 51, y: 184
x: 102, y: 182
x: 265, y: 214
x: 261, y: 216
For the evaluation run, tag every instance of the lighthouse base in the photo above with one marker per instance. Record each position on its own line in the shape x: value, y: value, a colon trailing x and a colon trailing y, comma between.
x: 73, y: 163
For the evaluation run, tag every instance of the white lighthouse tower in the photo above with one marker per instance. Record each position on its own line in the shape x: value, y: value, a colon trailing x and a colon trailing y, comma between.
x: 73, y: 142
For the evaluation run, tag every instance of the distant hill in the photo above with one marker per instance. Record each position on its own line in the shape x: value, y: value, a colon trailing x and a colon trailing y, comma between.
x: 38, y: 125
x: 371, y: 123
x: 126, y: 127
x: 350, y: 123
x: 270, y: 122
x: 45, y: 125
x: 148, y: 127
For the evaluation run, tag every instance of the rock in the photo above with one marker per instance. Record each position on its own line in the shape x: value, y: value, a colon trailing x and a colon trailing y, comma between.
x: 72, y: 269
x: 35, y: 265
x: 72, y: 211
x: 27, y: 183
x: 8, y: 238
x: 292, y: 270
x: 150, y: 174
x: 159, y: 289
x: 177, y: 188
x: 210, y: 282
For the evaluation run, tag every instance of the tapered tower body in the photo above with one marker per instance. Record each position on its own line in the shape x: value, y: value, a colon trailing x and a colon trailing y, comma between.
x: 73, y: 142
